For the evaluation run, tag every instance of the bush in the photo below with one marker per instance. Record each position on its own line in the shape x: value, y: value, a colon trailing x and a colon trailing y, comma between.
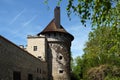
x: 104, y: 72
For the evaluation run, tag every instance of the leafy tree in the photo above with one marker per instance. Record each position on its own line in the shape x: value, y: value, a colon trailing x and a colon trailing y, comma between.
x: 77, y: 68
x: 102, y: 48
x: 101, y: 58
x: 99, y: 12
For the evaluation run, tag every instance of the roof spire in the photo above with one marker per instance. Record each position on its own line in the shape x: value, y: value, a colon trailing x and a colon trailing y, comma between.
x: 57, y: 16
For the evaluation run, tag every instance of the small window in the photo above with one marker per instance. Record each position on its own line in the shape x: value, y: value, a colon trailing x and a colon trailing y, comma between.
x: 60, y: 71
x: 39, y: 57
x: 50, y: 44
x: 16, y: 75
x: 40, y: 71
x: 60, y: 34
x: 48, y: 35
x: 30, y: 77
x: 34, y: 48
x: 54, y: 34
x: 37, y: 70
x: 60, y: 57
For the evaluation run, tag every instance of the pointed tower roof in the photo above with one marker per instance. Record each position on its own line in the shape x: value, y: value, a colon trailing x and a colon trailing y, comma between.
x: 54, y: 25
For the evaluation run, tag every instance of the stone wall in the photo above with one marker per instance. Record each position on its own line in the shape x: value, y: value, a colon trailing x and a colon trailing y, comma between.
x: 14, y: 59
x: 59, y: 56
x: 40, y: 43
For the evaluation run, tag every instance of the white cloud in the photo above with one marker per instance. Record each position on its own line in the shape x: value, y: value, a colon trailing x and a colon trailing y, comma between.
x: 17, y: 16
x: 29, y: 21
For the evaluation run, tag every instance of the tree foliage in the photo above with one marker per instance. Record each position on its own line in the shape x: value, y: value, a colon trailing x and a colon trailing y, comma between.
x: 103, y: 42
x: 76, y: 68
x: 99, y: 12
x: 104, y: 72
x: 102, y: 48
x: 101, y: 58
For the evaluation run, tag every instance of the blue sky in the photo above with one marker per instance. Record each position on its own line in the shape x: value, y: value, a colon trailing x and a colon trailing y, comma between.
x: 19, y: 18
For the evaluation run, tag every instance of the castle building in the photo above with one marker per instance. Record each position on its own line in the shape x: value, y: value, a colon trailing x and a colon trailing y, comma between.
x: 46, y: 57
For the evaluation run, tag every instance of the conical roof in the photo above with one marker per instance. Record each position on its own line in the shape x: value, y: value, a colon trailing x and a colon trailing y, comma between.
x: 55, y: 26
x: 52, y: 27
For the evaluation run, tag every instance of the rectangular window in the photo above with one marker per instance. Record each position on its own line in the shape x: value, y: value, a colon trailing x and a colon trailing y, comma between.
x: 16, y: 75
x: 37, y: 70
x: 30, y: 77
x: 60, y: 71
x: 34, y: 48
x: 40, y: 71
x: 39, y: 57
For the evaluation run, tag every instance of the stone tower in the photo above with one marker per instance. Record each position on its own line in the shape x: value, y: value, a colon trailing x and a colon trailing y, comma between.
x: 58, y: 53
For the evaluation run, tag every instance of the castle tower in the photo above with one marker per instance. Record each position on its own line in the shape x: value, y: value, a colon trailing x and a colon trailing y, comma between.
x: 59, y: 43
